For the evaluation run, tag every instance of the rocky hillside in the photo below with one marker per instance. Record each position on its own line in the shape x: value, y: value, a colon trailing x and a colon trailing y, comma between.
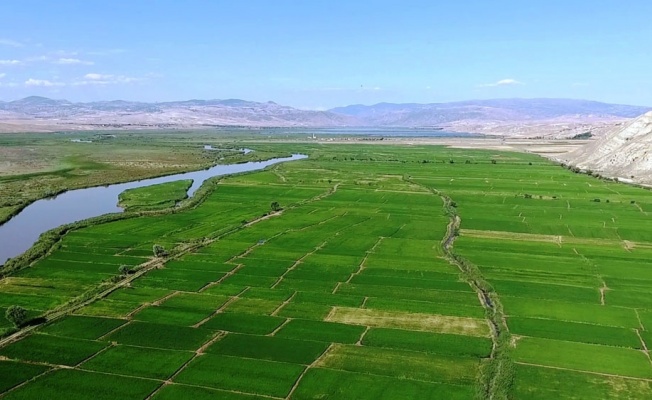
x: 625, y: 153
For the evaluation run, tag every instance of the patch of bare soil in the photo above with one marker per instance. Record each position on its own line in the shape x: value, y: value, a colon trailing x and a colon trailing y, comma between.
x: 409, y: 321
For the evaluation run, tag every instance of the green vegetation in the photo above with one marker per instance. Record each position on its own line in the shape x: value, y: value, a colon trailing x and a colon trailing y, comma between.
x: 17, y: 315
x: 241, y: 374
x: 155, y: 197
x: 75, y: 384
x: 138, y: 361
x: 52, y: 350
x: 384, y: 277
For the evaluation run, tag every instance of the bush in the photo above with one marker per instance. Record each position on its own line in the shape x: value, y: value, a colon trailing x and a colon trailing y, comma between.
x: 17, y: 315
x: 159, y: 251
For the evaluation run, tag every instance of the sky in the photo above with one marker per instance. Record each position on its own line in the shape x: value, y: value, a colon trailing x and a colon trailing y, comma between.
x: 317, y: 54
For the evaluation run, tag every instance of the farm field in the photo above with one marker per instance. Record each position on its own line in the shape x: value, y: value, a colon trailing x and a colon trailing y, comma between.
x: 381, y: 272
x: 155, y: 197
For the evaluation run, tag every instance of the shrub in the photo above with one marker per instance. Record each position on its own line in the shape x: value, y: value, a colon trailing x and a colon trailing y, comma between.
x: 159, y: 251
x: 17, y: 315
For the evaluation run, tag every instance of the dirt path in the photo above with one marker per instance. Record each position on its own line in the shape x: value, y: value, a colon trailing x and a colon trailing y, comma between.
x: 218, y: 335
x: 645, y: 349
x: 312, y: 365
x: 222, y: 307
x: 285, y: 303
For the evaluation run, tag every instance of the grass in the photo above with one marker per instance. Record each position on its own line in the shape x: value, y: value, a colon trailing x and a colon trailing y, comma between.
x: 583, y: 357
x: 564, y: 384
x: 52, y: 350
x: 155, y: 197
x: 138, y: 362
x: 160, y: 336
x: 15, y: 373
x: 241, y: 374
x: 362, y: 263
x: 244, y: 323
x: 330, y: 384
x: 435, y: 343
x: 269, y: 348
x: 81, y: 327
x: 572, y: 331
x: 328, y: 332
x: 401, y: 364
x: 72, y: 384
x: 183, y: 392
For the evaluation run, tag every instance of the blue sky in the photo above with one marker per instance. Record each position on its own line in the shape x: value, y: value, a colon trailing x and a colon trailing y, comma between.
x: 319, y: 54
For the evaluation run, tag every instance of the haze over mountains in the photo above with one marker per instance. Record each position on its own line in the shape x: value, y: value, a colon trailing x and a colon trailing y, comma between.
x: 40, y: 113
x: 504, y: 110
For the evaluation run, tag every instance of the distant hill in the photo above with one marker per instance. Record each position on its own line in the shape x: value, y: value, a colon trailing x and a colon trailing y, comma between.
x: 625, y: 153
x: 501, y: 116
x: 498, y: 110
x: 231, y: 112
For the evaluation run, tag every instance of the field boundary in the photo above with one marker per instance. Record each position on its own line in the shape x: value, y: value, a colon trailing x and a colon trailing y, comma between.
x: 497, y: 373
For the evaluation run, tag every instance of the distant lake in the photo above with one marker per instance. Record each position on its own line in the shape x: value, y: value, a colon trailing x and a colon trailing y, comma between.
x: 388, y: 132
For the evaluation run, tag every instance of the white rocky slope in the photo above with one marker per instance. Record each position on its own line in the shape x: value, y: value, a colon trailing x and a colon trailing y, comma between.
x: 625, y: 153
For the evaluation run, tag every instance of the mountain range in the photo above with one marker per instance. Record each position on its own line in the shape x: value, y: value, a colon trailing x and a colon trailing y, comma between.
x: 36, y: 112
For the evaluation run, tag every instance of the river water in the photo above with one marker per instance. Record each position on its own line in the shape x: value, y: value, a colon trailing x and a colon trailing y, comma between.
x: 19, y: 233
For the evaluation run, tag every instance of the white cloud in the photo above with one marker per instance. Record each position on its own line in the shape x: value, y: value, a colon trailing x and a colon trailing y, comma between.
x: 97, y: 77
x: 10, y: 62
x: 104, y: 79
x: 72, y: 61
x: 2, y: 75
x: 10, y: 43
x: 42, y: 82
x: 503, y: 82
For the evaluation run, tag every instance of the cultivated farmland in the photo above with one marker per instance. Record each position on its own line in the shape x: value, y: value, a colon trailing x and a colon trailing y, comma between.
x: 380, y: 272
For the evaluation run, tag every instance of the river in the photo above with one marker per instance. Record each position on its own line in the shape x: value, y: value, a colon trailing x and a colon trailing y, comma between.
x: 23, y: 230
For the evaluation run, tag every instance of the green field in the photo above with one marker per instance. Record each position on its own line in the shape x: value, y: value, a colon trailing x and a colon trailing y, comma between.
x: 155, y: 197
x: 364, y: 285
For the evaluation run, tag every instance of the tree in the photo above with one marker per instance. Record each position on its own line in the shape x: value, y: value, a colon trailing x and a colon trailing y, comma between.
x: 124, y: 270
x: 17, y: 315
x: 159, y: 251
x: 275, y: 206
